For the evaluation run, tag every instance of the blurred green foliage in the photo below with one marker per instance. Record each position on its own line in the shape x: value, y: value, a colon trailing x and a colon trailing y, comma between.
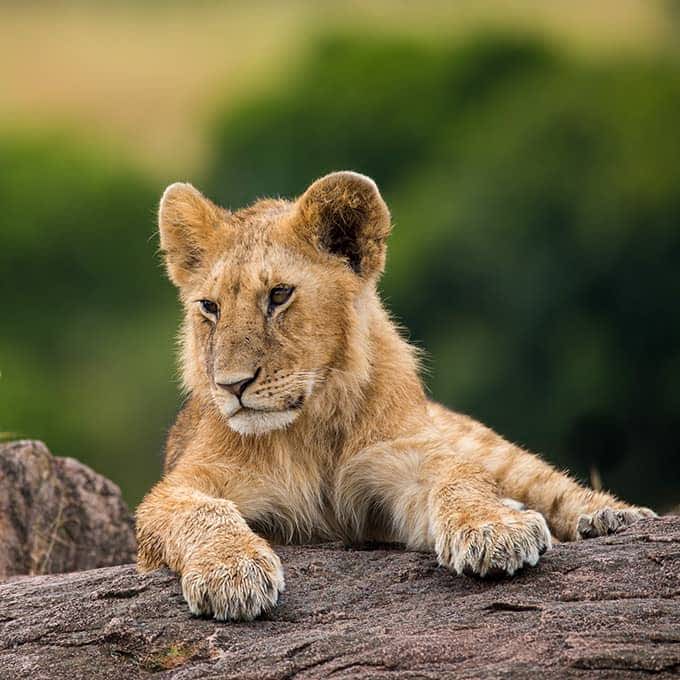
x: 536, y: 199
x: 87, y: 320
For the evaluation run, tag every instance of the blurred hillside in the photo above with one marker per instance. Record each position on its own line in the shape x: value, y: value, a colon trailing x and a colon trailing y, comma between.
x: 530, y: 157
x: 142, y: 76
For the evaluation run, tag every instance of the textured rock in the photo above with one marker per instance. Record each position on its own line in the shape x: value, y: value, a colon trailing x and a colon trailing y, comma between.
x: 603, y: 608
x: 57, y: 515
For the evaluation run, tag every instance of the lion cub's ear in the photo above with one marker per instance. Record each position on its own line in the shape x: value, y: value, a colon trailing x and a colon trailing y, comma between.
x: 188, y: 224
x: 344, y: 214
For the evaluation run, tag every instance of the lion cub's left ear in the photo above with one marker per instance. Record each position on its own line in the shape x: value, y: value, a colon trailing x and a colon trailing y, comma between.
x: 344, y: 214
x: 188, y: 223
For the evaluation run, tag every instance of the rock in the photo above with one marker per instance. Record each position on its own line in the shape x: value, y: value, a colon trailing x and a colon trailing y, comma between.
x: 602, y: 608
x: 58, y: 515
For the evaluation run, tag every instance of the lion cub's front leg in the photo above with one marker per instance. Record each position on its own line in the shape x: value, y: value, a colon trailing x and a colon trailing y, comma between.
x: 439, y: 502
x: 227, y: 571
x: 475, y: 531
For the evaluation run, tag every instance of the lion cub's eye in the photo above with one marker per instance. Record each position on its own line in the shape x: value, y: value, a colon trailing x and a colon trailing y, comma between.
x: 209, y: 307
x: 279, y: 295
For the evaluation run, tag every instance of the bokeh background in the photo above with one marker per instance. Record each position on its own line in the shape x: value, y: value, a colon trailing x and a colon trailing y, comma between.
x: 530, y: 152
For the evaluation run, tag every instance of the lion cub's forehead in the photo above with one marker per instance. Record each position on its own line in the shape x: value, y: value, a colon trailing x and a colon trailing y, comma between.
x: 258, y: 250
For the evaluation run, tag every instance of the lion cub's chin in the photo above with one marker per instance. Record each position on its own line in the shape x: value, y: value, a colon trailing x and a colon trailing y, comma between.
x: 248, y: 421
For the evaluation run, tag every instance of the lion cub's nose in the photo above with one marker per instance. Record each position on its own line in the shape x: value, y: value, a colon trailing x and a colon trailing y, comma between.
x: 238, y: 387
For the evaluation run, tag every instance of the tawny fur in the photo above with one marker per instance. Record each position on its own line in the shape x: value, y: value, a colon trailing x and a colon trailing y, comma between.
x: 335, y: 437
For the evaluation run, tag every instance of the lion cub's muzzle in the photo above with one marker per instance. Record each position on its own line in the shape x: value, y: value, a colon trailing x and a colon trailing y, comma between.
x: 259, y: 402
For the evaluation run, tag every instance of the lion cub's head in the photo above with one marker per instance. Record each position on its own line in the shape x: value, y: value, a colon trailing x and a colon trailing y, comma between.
x: 273, y: 293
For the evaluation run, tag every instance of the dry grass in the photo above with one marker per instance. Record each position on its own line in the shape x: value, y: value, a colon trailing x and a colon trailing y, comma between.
x: 145, y: 75
x: 173, y: 656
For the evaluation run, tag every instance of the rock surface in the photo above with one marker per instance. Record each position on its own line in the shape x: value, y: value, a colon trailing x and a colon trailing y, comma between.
x: 602, y: 608
x: 58, y: 515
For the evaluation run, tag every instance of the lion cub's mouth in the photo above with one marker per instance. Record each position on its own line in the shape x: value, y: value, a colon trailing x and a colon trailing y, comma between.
x: 293, y: 406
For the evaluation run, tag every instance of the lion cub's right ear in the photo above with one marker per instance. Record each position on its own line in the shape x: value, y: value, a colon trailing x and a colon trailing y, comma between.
x: 188, y: 223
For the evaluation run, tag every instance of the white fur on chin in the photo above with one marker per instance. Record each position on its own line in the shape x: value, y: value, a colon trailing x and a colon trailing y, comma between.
x: 261, y: 422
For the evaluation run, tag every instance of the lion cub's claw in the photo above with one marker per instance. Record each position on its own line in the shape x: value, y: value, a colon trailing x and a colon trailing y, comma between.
x: 609, y: 521
x: 496, y: 547
x: 239, y: 587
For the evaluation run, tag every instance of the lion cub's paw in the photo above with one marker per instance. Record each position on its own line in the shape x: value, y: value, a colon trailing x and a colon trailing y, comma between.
x: 497, y: 547
x: 237, y: 587
x: 609, y: 521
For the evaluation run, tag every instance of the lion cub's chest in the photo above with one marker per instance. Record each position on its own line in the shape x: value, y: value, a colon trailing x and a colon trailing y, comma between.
x: 290, y: 501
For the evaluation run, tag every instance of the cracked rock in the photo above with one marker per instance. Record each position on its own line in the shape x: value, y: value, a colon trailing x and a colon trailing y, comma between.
x: 602, y: 608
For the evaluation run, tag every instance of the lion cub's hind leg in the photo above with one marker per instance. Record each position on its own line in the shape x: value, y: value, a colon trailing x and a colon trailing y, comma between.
x: 573, y: 512
x: 609, y: 520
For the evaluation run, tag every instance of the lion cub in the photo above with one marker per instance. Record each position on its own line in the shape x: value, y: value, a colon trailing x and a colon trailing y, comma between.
x: 306, y: 418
